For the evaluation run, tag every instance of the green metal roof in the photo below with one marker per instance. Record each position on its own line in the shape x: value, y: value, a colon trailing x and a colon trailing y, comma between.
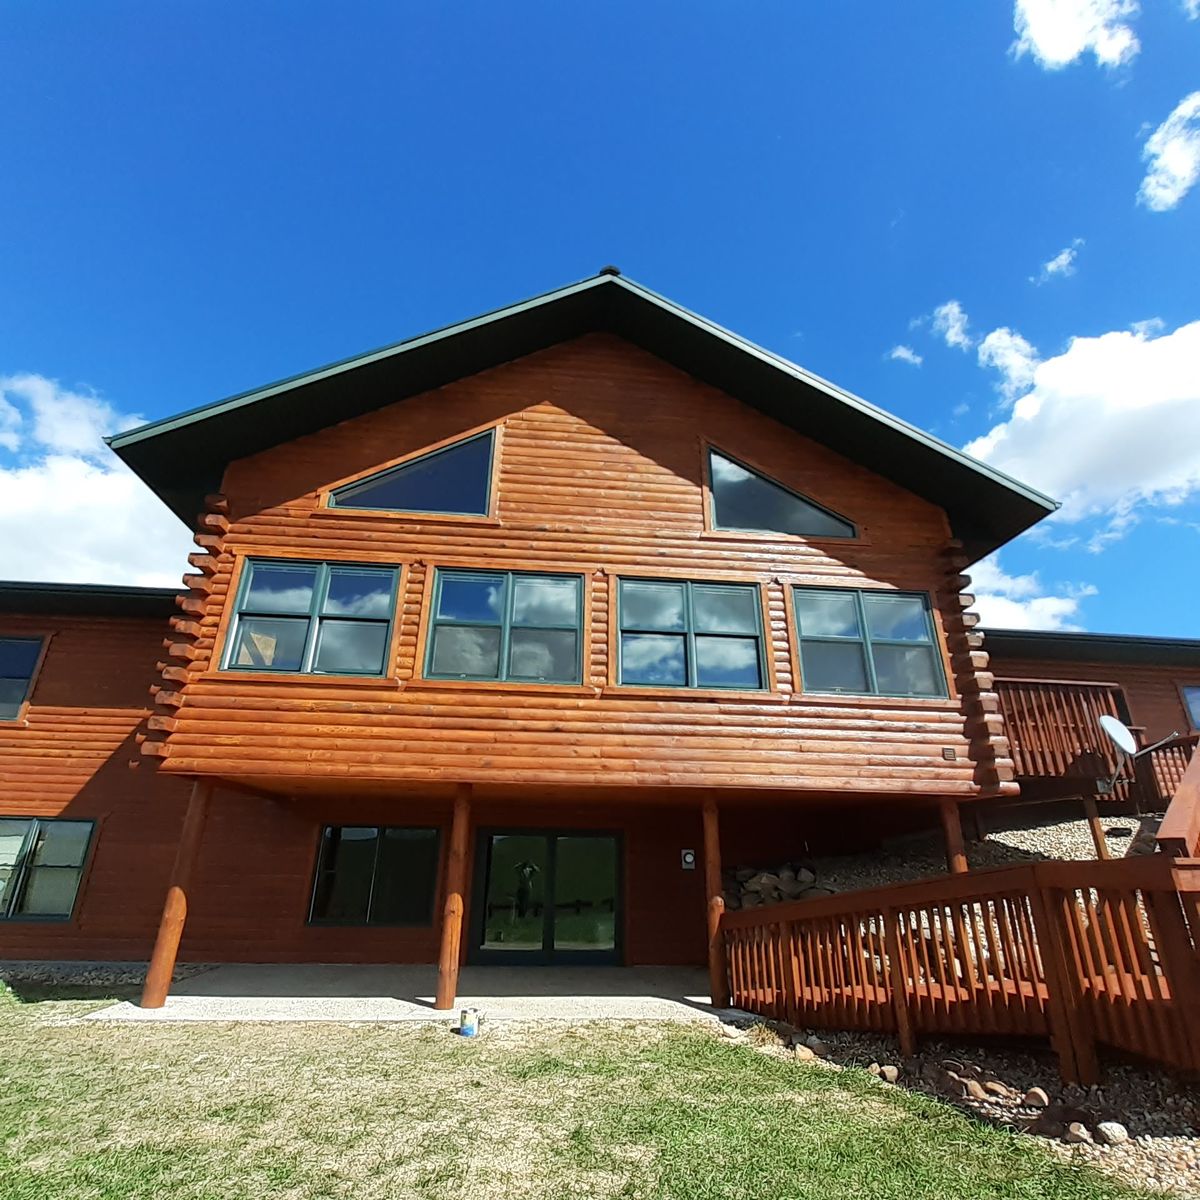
x: 86, y: 599
x: 1056, y: 646
x: 184, y: 457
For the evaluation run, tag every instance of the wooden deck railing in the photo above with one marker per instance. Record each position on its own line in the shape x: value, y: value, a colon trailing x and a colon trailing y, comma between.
x: 1086, y: 954
x: 1160, y: 773
x: 1053, y: 727
x: 1179, y: 833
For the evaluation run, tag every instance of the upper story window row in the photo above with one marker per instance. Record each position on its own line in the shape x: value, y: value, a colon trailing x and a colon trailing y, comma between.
x: 526, y: 627
x: 458, y: 480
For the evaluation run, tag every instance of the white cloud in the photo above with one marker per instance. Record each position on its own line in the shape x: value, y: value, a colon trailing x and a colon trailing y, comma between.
x: 1057, y: 32
x: 905, y: 354
x: 1009, y: 353
x: 1108, y: 427
x: 70, y: 511
x: 1173, y: 152
x: 1006, y: 601
x: 950, y: 321
x: 1192, y: 9
x: 1062, y: 264
x: 10, y: 423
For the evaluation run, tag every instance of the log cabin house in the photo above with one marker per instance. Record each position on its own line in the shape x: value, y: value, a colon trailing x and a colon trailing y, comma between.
x: 498, y: 641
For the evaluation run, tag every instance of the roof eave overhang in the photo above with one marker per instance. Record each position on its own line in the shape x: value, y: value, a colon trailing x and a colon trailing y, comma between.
x: 184, y: 457
x: 85, y: 599
x: 1059, y: 646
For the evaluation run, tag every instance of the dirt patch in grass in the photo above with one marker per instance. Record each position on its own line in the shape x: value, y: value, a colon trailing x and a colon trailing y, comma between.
x: 96, y: 1111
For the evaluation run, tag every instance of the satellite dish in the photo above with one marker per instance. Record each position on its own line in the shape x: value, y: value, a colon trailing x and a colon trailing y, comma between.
x: 1118, y: 734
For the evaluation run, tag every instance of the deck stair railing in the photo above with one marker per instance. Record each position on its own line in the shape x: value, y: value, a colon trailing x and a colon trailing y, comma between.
x: 1085, y: 954
x: 1179, y: 833
x: 1160, y: 773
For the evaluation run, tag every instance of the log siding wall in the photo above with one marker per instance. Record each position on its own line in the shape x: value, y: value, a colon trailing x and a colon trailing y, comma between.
x: 70, y: 757
x: 600, y: 471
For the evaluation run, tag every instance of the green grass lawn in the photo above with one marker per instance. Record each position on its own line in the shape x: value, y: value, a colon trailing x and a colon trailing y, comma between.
x: 90, y: 1110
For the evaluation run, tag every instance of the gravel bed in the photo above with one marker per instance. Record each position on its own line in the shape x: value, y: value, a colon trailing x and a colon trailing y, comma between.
x: 924, y: 856
x: 1160, y: 1114
x: 95, y: 975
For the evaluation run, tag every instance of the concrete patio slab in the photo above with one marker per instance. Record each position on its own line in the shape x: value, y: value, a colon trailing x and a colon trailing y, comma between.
x: 370, y: 993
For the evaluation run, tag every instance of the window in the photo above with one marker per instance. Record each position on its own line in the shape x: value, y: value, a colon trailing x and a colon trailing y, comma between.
x: 696, y: 635
x: 371, y: 875
x: 454, y: 481
x: 504, y: 625
x: 313, y: 618
x: 41, y: 862
x: 18, y: 661
x: 1191, y: 698
x: 743, y: 499
x: 871, y: 643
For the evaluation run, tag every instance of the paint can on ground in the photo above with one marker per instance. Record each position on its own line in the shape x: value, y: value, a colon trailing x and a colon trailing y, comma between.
x: 468, y: 1022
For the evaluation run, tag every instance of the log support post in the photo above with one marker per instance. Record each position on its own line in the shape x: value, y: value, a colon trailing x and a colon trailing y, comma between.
x: 174, y: 913
x: 1093, y: 820
x: 715, y: 900
x: 452, y: 913
x: 956, y: 853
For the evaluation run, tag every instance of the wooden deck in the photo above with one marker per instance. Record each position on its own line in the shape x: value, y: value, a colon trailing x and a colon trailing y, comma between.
x: 1085, y: 954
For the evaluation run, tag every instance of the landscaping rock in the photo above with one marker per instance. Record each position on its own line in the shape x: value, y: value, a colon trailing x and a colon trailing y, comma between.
x: 1077, y: 1134
x: 1035, y: 1098
x: 804, y: 1053
x: 975, y: 1089
x: 994, y: 1087
x: 1111, y: 1133
x: 817, y: 1046
x: 889, y: 1074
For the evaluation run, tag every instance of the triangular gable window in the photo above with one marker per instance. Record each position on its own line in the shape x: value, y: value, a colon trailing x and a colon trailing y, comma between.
x: 456, y: 481
x: 744, y: 500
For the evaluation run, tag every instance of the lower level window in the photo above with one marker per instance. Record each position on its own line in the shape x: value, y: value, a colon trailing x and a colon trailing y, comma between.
x: 41, y: 862
x: 375, y: 875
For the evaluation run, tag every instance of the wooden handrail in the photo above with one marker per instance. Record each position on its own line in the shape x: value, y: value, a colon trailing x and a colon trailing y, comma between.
x: 1086, y: 954
x: 1179, y: 833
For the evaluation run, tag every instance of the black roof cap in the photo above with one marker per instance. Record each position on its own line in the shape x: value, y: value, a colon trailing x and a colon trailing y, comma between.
x: 86, y: 599
x: 184, y: 457
x: 1083, y: 647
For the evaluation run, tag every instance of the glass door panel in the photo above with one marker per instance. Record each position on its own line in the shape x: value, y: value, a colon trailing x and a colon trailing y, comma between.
x: 514, y: 917
x: 585, y: 893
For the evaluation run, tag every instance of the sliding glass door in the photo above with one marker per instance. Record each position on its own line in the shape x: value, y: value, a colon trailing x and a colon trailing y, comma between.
x: 546, y: 897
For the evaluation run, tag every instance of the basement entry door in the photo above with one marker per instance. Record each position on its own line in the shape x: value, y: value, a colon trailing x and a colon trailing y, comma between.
x: 546, y: 896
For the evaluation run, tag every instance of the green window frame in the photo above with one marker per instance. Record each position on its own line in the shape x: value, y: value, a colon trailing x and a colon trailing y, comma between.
x: 355, y: 496
x: 837, y: 527
x: 685, y: 648
x: 505, y: 630
x: 315, y: 620
x: 19, y: 659
x: 880, y: 658
x: 41, y: 859
x: 392, y: 881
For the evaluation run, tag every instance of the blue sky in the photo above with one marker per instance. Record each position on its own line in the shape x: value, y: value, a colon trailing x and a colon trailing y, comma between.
x: 199, y: 198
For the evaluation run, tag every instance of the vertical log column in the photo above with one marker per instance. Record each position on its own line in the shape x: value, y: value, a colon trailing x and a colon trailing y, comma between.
x: 956, y: 852
x: 1093, y: 820
x: 174, y: 913
x: 717, y: 977
x: 452, y: 914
